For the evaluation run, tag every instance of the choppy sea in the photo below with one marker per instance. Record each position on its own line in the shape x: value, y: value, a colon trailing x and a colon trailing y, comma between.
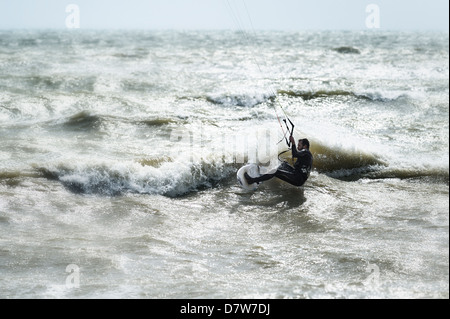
x: 119, y: 152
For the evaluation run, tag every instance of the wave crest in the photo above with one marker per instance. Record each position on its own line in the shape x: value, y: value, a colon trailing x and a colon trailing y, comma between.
x: 242, y: 100
x: 157, y: 177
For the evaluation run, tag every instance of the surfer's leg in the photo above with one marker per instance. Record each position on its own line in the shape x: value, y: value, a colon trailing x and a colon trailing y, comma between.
x: 292, y: 179
x: 287, y: 173
x: 259, y: 179
x: 284, y: 172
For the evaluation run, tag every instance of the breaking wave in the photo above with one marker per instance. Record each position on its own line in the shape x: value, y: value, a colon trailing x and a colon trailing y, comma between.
x: 151, y: 176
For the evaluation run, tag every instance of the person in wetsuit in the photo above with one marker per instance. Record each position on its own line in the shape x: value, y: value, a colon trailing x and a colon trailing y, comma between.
x: 296, y: 175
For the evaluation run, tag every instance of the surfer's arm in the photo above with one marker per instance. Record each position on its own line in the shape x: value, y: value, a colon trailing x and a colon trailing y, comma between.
x: 292, y: 140
x: 295, y: 152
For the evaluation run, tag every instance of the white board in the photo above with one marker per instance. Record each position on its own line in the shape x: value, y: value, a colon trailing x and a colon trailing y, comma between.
x: 253, y: 171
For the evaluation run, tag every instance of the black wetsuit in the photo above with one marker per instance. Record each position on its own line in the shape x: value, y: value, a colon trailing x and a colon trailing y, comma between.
x: 296, y: 175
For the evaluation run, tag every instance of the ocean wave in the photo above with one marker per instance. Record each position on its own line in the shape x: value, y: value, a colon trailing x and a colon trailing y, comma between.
x: 86, y: 121
x: 155, y: 161
x: 331, y: 159
x: 14, y: 174
x: 83, y: 121
x: 310, y: 95
x: 62, y: 83
x: 157, y: 121
x: 157, y: 177
x: 429, y: 174
x: 347, y: 50
x: 242, y: 100
x: 132, y: 56
x: 71, y: 83
x: 354, y: 164
x: 133, y: 85
x: 28, y: 42
x: 368, y: 96
x: 338, y: 162
x: 13, y: 178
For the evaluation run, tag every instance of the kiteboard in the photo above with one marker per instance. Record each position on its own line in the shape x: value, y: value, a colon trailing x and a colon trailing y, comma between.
x: 254, y: 171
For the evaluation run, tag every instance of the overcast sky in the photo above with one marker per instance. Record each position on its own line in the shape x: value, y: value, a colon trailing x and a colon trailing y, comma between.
x: 227, y: 14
